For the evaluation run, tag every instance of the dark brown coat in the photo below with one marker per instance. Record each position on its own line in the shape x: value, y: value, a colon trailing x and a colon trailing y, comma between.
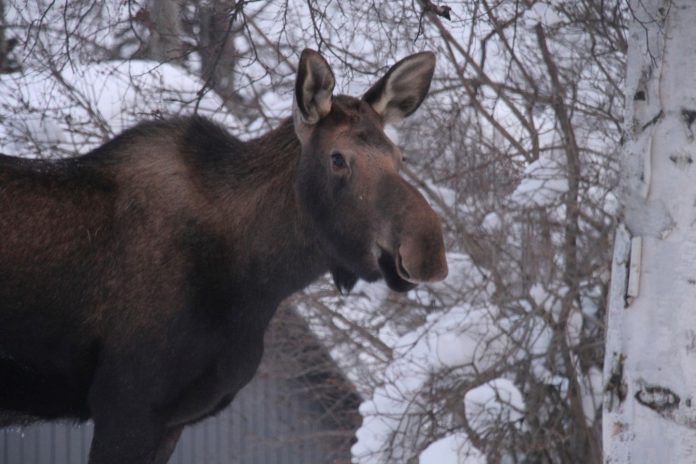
x: 136, y: 282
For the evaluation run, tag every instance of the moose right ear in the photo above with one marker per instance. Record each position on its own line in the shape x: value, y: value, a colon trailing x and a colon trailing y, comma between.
x: 313, y: 88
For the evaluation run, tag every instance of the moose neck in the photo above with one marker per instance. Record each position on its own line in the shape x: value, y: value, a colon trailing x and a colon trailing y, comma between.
x: 273, y: 239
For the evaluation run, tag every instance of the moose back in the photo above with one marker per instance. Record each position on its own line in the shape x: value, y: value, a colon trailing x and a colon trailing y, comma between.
x: 136, y: 281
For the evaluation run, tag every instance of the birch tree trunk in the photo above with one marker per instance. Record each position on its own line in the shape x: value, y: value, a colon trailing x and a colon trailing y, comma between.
x: 650, y: 361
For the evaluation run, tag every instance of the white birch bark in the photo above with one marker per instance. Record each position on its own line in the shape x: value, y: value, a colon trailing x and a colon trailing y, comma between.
x: 650, y: 363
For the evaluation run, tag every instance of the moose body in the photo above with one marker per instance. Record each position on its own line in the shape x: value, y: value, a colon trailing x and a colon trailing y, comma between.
x: 137, y: 281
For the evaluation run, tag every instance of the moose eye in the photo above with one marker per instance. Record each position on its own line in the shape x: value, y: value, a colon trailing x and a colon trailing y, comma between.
x: 338, y: 161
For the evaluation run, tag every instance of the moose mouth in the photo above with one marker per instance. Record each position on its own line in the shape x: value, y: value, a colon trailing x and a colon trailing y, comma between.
x: 391, y: 269
x: 394, y: 272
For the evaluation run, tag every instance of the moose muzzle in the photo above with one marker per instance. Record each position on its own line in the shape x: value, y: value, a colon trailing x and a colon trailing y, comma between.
x: 413, y: 240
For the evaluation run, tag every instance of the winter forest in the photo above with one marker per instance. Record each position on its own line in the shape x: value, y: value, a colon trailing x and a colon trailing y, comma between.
x: 555, y: 145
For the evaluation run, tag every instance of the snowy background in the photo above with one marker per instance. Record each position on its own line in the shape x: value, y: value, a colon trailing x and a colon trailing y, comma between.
x: 515, y: 148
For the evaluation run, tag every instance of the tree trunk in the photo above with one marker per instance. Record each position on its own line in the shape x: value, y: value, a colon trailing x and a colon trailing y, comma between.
x: 218, y: 53
x: 165, y: 32
x: 6, y: 64
x: 650, y: 361
x: 3, y: 44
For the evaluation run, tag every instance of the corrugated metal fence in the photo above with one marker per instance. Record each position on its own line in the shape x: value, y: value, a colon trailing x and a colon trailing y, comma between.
x: 299, y: 409
x: 270, y: 422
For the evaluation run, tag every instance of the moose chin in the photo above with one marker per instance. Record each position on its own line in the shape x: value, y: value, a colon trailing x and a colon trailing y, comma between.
x: 137, y: 281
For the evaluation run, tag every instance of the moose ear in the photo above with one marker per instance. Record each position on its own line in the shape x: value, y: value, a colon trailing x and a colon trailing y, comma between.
x: 401, y: 91
x: 313, y: 88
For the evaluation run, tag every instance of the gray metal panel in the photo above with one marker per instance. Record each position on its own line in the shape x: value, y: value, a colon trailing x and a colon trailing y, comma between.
x: 272, y: 421
x: 289, y: 414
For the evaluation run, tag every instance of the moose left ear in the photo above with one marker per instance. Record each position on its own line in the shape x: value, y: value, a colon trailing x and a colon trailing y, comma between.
x: 401, y: 91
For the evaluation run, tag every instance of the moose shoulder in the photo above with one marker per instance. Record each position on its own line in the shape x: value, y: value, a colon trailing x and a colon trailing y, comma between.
x: 136, y: 282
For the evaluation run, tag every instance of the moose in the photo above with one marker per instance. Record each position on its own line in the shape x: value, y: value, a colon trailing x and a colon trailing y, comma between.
x: 137, y: 280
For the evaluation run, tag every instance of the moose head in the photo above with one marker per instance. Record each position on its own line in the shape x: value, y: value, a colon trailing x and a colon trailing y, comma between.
x: 372, y: 222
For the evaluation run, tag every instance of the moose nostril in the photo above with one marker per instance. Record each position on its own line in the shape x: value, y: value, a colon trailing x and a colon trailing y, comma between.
x: 418, y: 263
